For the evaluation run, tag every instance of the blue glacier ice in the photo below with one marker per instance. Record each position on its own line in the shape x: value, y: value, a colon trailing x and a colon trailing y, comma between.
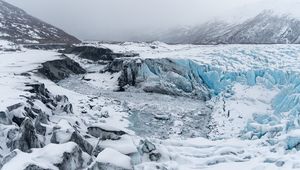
x: 287, y: 100
x: 186, y: 76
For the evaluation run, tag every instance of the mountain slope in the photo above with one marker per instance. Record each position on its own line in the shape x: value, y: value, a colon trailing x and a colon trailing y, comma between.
x: 265, y: 28
x: 19, y: 27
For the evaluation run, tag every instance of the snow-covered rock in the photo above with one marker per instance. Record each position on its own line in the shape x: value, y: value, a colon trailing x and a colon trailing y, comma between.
x: 110, y: 159
x: 52, y: 156
x: 56, y: 70
x: 63, y: 132
x: 105, y: 132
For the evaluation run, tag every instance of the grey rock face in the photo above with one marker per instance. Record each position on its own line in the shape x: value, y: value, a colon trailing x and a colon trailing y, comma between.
x: 27, y: 137
x: 19, y: 27
x: 57, y: 70
x: 105, y: 134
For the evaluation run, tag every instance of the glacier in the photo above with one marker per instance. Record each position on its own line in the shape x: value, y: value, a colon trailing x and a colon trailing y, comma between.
x: 262, y: 66
x: 171, y: 107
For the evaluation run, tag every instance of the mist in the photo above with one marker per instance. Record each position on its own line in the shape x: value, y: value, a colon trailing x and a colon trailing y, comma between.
x: 121, y: 20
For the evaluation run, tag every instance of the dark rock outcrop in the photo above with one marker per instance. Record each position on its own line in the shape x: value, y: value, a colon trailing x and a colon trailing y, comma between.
x: 57, y: 70
x: 105, y: 133
x: 95, y: 53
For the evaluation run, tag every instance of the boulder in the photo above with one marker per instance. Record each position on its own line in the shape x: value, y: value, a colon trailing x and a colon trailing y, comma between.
x: 105, y: 132
x: 146, y: 147
x: 63, y: 132
x: 53, y: 156
x: 110, y: 159
x: 154, y: 156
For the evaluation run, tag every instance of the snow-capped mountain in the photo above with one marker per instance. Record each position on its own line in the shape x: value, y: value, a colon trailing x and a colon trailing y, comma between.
x: 265, y: 28
x: 19, y: 27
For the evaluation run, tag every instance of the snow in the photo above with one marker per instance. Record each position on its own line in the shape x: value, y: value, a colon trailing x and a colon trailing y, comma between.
x: 46, y: 157
x: 114, y: 157
x: 226, y: 57
x: 15, y: 63
x: 65, y: 131
x: 255, y: 105
x: 126, y: 145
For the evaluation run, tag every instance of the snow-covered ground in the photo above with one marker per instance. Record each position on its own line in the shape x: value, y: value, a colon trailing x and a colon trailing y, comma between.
x: 251, y: 121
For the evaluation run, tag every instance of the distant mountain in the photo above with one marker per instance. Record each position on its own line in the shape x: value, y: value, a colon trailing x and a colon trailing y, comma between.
x: 265, y: 28
x: 19, y: 27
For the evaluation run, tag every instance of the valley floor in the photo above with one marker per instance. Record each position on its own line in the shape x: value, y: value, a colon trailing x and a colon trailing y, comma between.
x: 251, y: 120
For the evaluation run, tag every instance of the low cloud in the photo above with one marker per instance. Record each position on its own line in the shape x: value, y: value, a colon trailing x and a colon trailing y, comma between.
x: 122, y: 19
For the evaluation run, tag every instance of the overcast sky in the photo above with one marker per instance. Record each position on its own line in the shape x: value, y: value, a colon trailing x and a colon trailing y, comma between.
x: 121, y: 19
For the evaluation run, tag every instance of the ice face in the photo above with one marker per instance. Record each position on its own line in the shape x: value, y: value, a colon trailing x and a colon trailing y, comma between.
x: 284, y: 106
